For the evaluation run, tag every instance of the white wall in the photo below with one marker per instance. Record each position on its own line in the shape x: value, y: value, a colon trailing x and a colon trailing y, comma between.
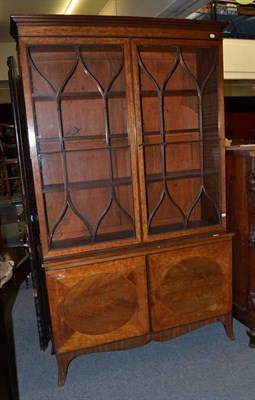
x: 109, y: 8
x: 144, y: 8
x: 239, y: 58
x: 152, y: 8
x: 6, y: 50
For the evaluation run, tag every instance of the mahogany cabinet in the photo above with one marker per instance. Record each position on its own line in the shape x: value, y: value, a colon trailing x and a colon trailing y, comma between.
x: 240, y: 167
x: 125, y: 128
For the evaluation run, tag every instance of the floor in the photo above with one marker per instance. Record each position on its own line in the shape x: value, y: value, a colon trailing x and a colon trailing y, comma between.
x: 201, y: 365
x: 10, y: 249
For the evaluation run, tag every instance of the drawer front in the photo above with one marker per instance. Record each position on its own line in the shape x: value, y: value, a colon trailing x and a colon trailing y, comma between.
x: 190, y: 284
x: 98, y: 303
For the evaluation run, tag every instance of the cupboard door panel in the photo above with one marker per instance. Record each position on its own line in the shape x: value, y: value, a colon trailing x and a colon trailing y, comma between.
x: 98, y: 304
x: 189, y: 285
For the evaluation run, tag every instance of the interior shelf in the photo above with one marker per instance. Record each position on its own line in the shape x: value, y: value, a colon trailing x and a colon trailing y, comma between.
x: 77, y: 96
x: 169, y: 93
x: 84, y: 138
x: 172, y: 131
x: 81, y: 241
x: 181, y: 175
x: 60, y: 187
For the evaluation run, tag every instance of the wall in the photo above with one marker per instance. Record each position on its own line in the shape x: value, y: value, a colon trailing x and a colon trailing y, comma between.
x: 239, y: 58
x: 6, y: 50
x: 145, y: 8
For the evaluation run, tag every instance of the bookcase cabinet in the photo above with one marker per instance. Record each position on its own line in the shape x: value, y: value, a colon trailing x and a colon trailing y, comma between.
x: 125, y: 129
x: 240, y: 170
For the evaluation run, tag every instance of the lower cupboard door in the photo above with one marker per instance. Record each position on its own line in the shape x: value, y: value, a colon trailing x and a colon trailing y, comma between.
x: 98, y: 304
x: 189, y: 285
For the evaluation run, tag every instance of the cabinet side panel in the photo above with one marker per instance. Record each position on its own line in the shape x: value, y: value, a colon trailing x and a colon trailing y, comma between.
x: 237, y: 170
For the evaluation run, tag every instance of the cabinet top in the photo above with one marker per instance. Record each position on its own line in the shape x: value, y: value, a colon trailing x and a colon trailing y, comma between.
x: 242, y: 150
x: 88, y: 25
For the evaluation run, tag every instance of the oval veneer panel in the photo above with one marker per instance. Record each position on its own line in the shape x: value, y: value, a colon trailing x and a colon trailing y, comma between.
x: 192, y: 285
x: 100, y: 304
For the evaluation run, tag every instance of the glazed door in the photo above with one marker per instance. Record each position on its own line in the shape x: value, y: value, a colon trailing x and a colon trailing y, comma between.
x: 82, y: 138
x: 178, y: 97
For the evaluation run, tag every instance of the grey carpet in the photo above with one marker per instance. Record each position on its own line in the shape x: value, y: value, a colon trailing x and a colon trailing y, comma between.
x: 201, y: 365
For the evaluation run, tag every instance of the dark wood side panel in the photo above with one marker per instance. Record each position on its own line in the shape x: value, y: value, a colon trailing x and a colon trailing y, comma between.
x: 240, y: 171
x: 237, y: 168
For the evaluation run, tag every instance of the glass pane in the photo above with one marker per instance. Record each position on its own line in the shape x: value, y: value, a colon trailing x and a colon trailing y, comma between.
x: 51, y: 65
x: 83, y: 118
x: 80, y: 102
x: 179, y: 109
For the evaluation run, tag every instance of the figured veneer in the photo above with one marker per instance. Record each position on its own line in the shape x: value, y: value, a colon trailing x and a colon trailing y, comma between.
x: 189, y: 285
x: 99, y: 304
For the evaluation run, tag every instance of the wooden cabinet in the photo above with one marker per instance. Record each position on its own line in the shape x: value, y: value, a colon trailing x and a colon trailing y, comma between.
x: 240, y: 167
x: 127, y: 148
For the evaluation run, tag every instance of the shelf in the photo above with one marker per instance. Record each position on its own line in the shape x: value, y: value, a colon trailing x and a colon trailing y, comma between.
x: 77, y: 96
x: 60, y: 187
x: 169, y: 93
x: 180, y: 142
x: 181, y: 132
x: 69, y: 144
x: 172, y: 132
x: 80, y: 150
x: 75, y: 138
x: 180, y: 175
x: 178, y: 226
x: 58, y: 244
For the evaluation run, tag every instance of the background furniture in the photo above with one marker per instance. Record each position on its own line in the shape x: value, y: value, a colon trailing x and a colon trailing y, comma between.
x: 126, y: 141
x: 240, y: 167
x: 8, y: 292
x: 240, y: 119
x: 10, y: 178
